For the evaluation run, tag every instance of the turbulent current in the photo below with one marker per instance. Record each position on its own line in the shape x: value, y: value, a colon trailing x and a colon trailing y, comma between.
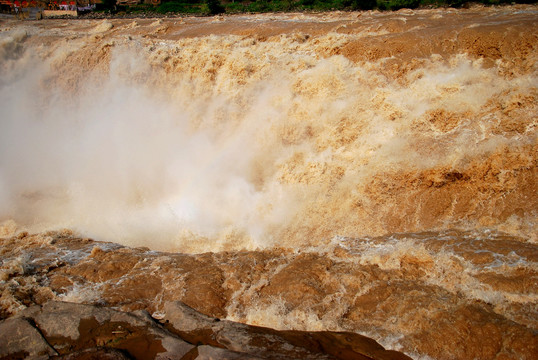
x: 368, y: 172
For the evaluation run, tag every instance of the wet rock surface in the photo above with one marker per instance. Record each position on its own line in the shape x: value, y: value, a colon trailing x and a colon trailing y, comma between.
x: 21, y: 339
x: 403, y: 293
x: 76, y: 331
x: 269, y: 343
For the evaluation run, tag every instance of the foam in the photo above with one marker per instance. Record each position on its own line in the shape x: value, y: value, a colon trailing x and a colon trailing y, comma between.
x: 237, y: 142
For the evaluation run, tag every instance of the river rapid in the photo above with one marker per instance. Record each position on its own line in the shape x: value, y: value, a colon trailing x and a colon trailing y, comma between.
x: 365, y: 171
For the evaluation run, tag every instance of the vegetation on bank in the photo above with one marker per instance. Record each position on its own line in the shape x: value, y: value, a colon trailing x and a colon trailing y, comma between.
x: 214, y: 7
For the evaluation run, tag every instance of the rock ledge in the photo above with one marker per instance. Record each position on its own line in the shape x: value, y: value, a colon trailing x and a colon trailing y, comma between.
x: 64, y: 330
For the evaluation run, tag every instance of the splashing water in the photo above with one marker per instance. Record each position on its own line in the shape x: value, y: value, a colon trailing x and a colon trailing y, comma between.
x: 380, y: 166
x: 140, y: 133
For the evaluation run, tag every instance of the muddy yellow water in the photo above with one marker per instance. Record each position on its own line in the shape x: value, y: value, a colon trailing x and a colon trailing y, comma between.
x: 369, y: 172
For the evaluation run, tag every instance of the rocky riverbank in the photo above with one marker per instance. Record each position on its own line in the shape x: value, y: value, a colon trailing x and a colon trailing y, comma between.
x: 74, y: 331
x: 423, y: 305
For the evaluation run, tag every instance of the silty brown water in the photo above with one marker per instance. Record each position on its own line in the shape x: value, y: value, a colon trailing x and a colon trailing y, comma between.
x: 340, y: 150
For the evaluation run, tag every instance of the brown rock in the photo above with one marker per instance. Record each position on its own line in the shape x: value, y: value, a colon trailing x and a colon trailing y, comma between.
x: 268, y: 343
x: 96, y: 354
x: 89, y: 332
x: 75, y: 327
x: 206, y: 352
x: 19, y: 339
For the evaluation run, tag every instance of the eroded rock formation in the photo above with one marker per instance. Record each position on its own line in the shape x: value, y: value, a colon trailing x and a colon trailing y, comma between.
x: 74, y: 331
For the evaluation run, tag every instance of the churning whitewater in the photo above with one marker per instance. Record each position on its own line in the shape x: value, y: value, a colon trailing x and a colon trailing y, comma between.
x: 341, y: 168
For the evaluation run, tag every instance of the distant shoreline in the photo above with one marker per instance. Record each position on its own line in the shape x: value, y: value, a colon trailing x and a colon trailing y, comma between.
x: 144, y: 11
x: 133, y: 13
